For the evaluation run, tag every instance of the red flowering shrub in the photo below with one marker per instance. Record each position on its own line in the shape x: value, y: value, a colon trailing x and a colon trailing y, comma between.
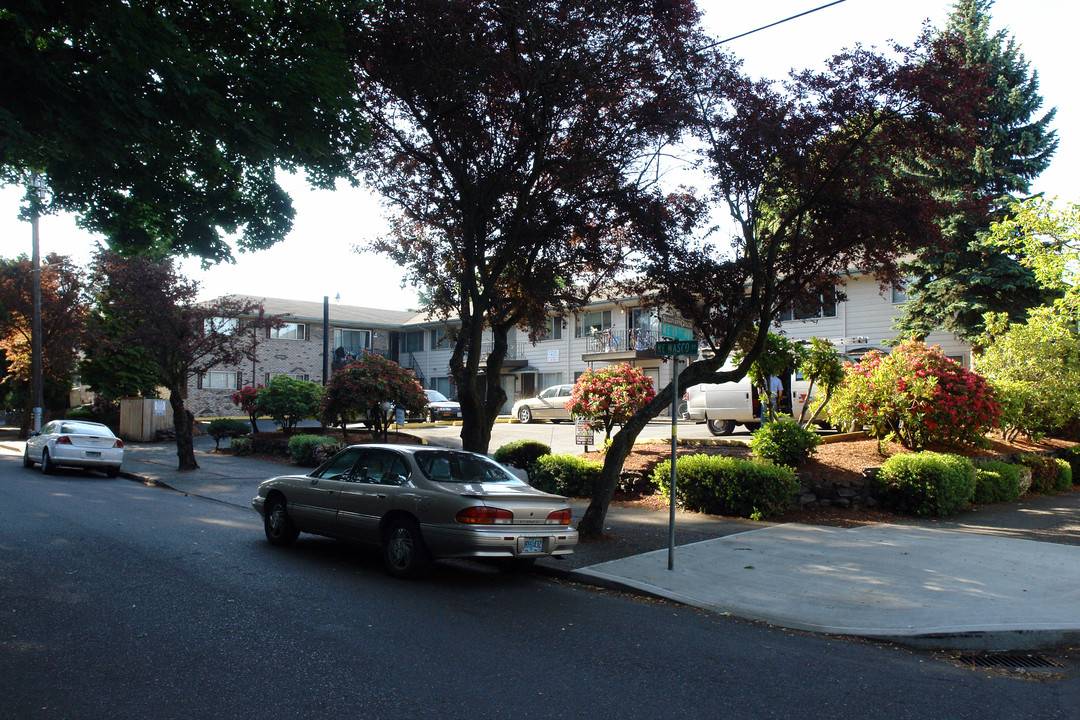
x: 247, y: 399
x: 916, y: 395
x: 366, y: 387
x: 610, y: 395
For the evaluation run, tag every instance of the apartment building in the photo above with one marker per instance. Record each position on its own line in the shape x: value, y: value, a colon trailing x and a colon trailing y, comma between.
x: 605, y: 332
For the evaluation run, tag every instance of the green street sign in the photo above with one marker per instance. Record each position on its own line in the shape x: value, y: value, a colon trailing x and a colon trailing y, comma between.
x: 676, y: 347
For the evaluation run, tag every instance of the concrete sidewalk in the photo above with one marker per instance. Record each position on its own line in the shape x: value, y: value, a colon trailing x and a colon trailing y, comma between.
x: 1003, y: 577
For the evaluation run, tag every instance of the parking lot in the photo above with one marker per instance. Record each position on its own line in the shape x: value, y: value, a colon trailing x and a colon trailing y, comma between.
x: 560, y: 436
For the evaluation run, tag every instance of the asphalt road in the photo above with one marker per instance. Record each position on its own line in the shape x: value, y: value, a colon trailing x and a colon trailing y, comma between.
x: 122, y: 600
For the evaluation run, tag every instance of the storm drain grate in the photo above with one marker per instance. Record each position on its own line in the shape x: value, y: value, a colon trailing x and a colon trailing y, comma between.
x: 1007, y: 660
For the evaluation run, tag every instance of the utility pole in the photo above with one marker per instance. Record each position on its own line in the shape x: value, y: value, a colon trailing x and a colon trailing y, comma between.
x: 37, y: 384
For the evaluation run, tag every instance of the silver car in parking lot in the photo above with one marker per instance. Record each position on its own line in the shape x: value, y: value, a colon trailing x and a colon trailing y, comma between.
x: 418, y: 504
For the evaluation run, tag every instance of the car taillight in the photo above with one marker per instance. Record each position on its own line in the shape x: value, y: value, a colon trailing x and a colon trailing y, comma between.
x: 560, y: 517
x: 484, y: 515
x: 63, y: 440
x: 118, y: 444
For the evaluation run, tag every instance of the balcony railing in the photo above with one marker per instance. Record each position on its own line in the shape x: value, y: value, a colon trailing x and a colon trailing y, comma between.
x: 514, y: 351
x: 617, y: 341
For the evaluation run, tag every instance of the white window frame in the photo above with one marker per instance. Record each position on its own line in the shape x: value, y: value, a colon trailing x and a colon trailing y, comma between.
x: 212, y: 380
x: 339, y: 338
x: 788, y: 314
x: 553, y: 328
x: 223, y: 325
x: 585, y: 328
x: 289, y: 331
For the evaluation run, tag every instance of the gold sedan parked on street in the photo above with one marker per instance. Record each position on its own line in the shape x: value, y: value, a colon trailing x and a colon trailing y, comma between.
x: 419, y: 503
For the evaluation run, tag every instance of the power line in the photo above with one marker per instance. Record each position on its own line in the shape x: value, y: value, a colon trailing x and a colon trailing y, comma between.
x: 766, y: 27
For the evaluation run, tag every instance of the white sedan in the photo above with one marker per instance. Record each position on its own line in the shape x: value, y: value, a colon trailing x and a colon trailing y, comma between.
x: 548, y: 405
x: 75, y: 443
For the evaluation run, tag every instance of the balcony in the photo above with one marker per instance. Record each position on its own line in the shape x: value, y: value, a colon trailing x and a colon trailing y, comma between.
x: 515, y: 355
x: 619, y: 345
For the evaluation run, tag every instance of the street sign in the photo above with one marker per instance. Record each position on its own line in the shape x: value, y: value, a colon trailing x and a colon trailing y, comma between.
x: 666, y: 348
x: 583, y: 433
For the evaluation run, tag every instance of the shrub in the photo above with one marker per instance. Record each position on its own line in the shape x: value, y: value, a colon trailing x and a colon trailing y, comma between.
x: 997, y: 482
x: 288, y: 400
x: 222, y: 428
x: 1072, y: 456
x: 728, y: 486
x: 1064, y: 479
x: 80, y: 413
x: 302, y: 448
x: 325, y: 451
x: 610, y: 395
x: 1044, y: 472
x: 569, y: 475
x: 926, y: 483
x: 521, y: 453
x: 784, y: 442
x: 916, y: 395
x: 242, y: 445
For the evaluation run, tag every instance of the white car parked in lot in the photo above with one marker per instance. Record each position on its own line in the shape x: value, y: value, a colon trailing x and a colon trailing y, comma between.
x: 75, y: 443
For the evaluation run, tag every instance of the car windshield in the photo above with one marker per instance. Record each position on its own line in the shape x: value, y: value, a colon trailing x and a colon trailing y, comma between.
x: 436, y: 396
x: 457, y: 467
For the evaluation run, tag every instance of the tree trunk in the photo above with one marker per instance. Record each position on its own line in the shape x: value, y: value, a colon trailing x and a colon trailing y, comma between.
x: 478, y: 416
x: 183, y: 422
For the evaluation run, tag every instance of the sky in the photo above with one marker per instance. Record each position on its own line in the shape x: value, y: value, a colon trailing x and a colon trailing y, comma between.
x: 318, y: 257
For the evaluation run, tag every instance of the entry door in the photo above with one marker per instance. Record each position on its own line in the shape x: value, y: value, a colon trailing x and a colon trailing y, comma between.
x: 528, y: 385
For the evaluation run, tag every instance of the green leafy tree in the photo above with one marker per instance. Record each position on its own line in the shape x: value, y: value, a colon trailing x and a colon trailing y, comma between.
x: 365, y: 389
x: 288, y: 401
x: 162, y: 124
x: 611, y: 395
x: 1036, y: 367
x: 823, y: 366
x: 954, y: 286
x: 779, y: 356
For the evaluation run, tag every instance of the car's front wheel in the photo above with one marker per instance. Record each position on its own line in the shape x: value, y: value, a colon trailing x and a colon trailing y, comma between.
x: 404, y: 551
x: 47, y: 465
x: 279, y: 527
x: 525, y: 415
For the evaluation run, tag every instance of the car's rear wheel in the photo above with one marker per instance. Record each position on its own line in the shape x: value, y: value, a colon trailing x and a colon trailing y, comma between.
x: 404, y: 551
x: 26, y: 461
x: 47, y: 465
x: 279, y: 527
x: 721, y: 427
x: 525, y: 415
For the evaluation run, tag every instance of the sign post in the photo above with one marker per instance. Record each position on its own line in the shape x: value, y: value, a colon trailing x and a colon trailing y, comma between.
x: 674, y: 349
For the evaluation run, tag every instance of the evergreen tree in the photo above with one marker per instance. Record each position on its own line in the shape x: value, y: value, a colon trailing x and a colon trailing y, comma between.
x: 954, y: 286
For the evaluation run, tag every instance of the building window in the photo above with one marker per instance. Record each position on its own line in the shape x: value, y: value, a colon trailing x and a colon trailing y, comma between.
x: 220, y: 380
x: 900, y: 294
x: 288, y: 331
x: 353, y: 342
x: 442, y: 385
x: 223, y: 325
x: 414, y: 342
x: 552, y: 328
x: 439, y: 340
x: 824, y: 308
x: 295, y: 376
x: 593, y: 322
x: 549, y: 379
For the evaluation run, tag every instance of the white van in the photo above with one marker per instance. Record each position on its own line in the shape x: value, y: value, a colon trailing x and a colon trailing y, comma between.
x: 725, y: 405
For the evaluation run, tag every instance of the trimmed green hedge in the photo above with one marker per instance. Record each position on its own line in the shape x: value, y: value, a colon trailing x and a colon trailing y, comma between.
x: 569, y: 475
x: 996, y: 482
x: 242, y: 446
x: 302, y: 448
x: 521, y: 453
x: 728, y: 486
x: 1064, y: 479
x: 926, y: 483
x: 784, y: 442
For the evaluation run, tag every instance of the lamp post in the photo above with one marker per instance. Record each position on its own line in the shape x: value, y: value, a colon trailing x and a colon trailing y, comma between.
x: 37, y: 385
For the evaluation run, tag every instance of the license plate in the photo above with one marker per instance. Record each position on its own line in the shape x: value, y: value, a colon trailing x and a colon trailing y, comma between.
x: 533, y: 545
x: 93, y: 453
